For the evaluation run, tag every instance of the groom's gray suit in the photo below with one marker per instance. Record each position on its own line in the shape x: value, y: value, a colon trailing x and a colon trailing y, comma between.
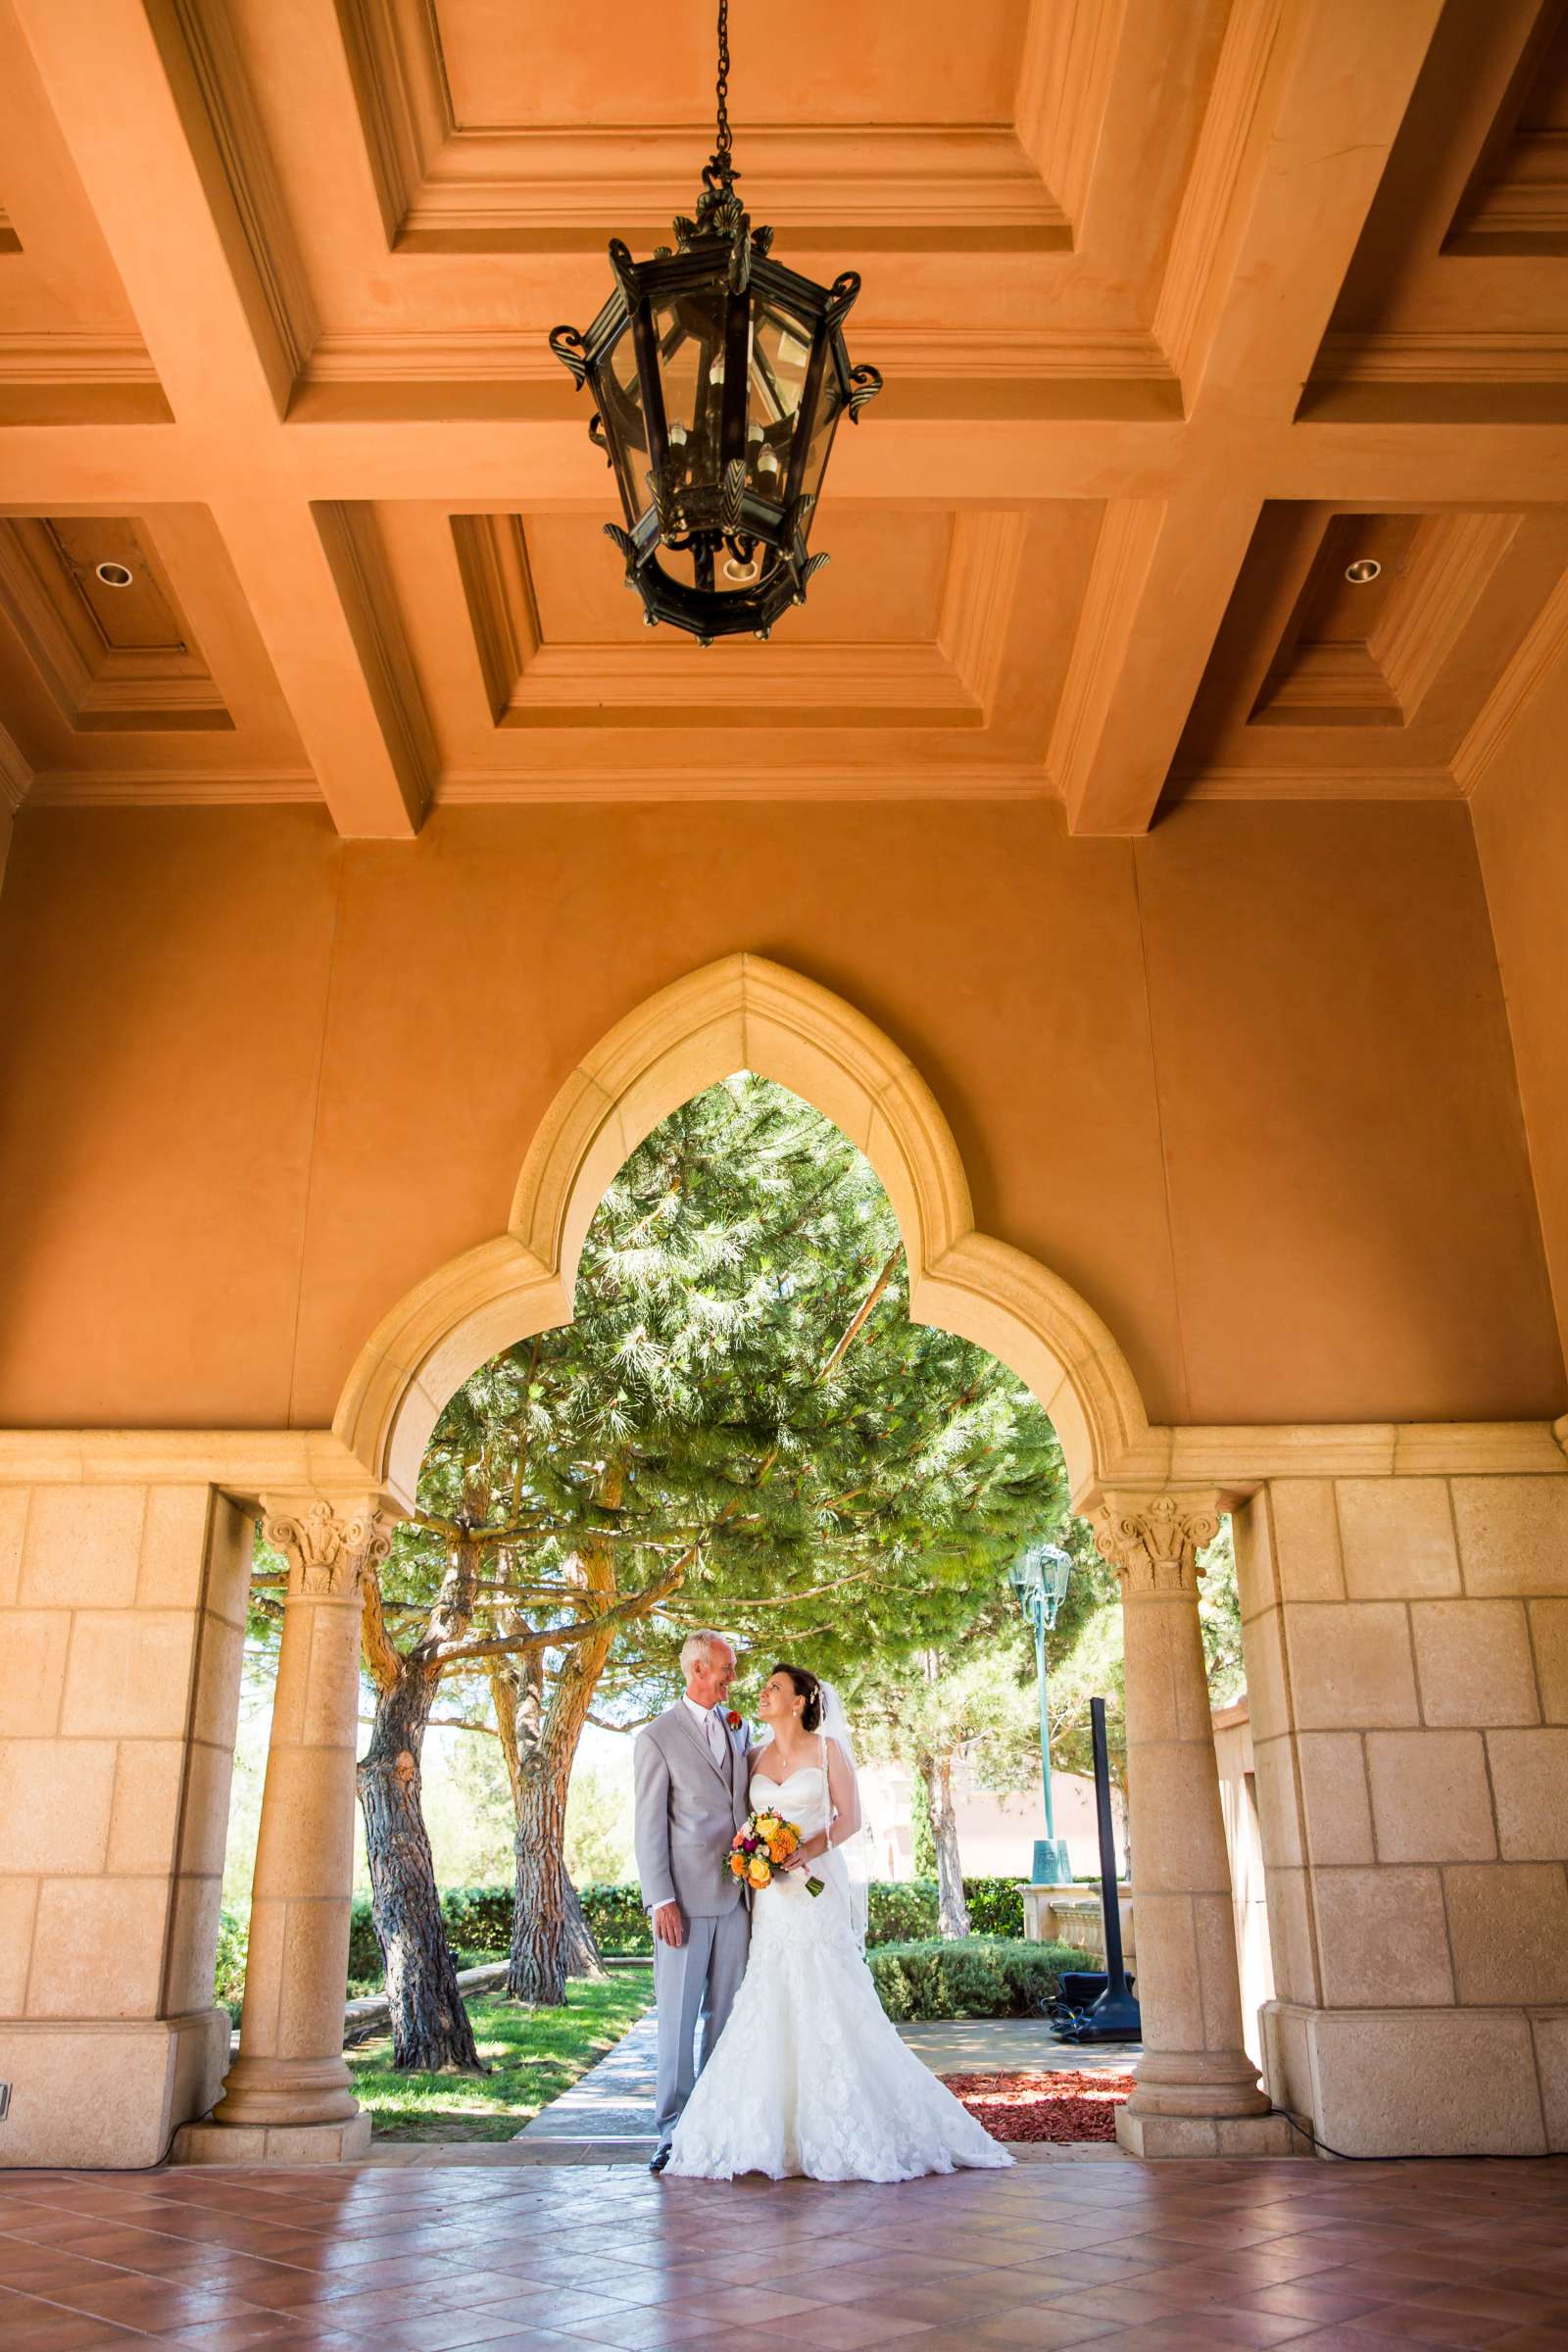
x: 689, y: 1806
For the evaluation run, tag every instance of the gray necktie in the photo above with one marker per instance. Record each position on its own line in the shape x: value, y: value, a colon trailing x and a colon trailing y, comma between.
x: 716, y: 1737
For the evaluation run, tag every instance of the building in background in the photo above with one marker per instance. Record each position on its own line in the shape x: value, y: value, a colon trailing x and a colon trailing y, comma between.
x: 996, y: 1834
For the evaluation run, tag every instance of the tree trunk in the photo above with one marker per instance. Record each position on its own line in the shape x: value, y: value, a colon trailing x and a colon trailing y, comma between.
x: 543, y: 1902
x: 540, y: 1724
x: 582, y: 1952
x: 537, y: 1971
x: 547, y: 1731
x: 430, y: 2028
x: 952, y: 1912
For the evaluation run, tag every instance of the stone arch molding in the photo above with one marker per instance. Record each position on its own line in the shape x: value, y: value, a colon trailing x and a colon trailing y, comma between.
x: 742, y: 1012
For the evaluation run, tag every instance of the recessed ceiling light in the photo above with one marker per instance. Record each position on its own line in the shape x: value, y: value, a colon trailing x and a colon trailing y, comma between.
x: 114, y: 575
x: 1364, y: 571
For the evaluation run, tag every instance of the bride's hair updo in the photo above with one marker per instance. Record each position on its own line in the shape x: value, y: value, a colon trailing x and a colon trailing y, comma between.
x: 807, y: 1687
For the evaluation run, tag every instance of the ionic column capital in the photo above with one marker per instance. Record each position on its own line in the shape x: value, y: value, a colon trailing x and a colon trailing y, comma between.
x: 1153, y: 1540
x: 328, y: 1545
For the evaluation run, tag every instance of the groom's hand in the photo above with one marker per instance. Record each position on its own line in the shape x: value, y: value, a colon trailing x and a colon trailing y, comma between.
x: 669, y: 1926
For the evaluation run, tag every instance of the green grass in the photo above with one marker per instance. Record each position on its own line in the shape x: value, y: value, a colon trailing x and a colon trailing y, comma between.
x: 533, y: 2054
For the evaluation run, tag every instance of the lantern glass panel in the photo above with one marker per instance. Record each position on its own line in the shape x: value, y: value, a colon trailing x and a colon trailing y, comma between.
x: 782, y: 355
x: 821, y: 444
x: 690, y: 330
x: 620, y: 393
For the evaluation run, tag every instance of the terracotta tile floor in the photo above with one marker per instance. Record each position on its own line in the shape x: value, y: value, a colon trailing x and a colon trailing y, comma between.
x: 567, y: 2259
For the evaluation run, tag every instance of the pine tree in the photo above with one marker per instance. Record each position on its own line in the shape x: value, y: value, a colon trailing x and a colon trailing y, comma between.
x: 741, y: 1427
x: 970, y: 1699
x: 922, y: 1837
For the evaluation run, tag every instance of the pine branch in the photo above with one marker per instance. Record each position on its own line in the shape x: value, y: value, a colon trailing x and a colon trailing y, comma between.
x: 382, y: 1655
x: 787, y: 1600
x: 624, y: 1612
x: 446, y: 1723
x: 521, y: 1463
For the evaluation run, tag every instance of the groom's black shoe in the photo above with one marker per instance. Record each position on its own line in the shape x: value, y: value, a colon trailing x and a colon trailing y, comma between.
x: 659, y: 2158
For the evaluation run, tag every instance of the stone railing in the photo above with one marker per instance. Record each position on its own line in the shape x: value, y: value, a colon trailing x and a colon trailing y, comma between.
x: 1071, y: 1914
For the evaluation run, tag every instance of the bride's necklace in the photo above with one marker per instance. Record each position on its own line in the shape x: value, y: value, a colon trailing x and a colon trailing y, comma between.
x: 787, y: 1759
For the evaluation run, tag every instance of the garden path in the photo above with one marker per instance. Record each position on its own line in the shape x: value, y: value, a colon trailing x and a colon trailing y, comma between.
x: 614, y: 2100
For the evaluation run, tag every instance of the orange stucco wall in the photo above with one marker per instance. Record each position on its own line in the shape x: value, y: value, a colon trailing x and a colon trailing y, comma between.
x: 1248, y: 1083
x: 1521, y: 819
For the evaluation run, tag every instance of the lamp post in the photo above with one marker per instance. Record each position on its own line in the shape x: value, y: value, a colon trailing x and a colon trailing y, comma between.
x: 1038, y: 1577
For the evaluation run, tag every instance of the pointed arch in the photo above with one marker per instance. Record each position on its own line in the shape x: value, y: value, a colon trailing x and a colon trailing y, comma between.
x: 743, y: 1013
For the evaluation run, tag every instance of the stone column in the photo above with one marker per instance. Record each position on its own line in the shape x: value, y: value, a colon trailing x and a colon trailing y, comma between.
x: 1198, y: 2092
x: 121, y: 1625
x: 288, y: 2097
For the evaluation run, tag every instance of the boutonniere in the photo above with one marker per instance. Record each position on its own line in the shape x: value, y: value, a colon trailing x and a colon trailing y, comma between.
x: 734, y: 1720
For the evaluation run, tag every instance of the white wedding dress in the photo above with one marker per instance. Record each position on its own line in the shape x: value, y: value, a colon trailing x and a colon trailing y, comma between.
x: 810, y: 2076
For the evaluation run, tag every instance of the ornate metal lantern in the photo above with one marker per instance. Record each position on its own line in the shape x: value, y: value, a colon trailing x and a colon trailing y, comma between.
x: 719, y: 379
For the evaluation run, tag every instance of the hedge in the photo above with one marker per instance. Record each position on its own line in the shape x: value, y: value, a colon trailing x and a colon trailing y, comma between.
x: 478, y: 1920
x: 973, y: 1975
x: 916, y: 1977
x: 900, y: 1911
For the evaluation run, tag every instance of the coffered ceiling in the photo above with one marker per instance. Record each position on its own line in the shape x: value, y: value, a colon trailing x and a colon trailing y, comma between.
x: 1185, y: 306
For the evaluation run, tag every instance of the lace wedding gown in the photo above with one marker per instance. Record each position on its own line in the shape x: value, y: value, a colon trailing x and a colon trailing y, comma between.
x: 810, y: 2076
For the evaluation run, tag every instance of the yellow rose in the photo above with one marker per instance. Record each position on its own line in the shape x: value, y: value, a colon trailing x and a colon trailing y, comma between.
x: 769, y: 1826
x: 757, y: 1870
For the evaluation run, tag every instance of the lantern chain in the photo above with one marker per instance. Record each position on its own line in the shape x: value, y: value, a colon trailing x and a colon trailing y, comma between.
x: 705, y: 500
x: 724, y: 146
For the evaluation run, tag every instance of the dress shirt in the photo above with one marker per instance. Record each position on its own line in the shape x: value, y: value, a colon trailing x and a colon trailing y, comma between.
x: 711, y: 1728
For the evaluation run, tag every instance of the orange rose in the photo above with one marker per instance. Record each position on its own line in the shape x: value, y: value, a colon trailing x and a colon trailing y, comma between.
x: 737, y: 1863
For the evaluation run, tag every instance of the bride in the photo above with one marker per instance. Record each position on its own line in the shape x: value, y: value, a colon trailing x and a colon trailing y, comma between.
x: 810, y: 2076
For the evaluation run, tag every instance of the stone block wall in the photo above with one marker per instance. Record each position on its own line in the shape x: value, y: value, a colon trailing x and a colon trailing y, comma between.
x: 1406, y: 1643
x: 121, y: 1625
x: 1243, y: 1843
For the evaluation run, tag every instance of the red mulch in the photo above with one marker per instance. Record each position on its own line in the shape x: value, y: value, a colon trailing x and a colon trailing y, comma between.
x: 1036, y: 2105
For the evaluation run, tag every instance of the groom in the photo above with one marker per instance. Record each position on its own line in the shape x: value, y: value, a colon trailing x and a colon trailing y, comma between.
x: 692, y: 1796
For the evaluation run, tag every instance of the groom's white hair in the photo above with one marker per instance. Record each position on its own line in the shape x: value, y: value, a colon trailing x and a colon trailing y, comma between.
x: 703, y: 1645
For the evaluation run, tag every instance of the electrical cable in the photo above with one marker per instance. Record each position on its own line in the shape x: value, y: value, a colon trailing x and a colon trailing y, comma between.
x: 1416, y: 2155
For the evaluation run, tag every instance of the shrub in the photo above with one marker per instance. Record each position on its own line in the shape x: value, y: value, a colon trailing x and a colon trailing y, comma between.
x: 900, y: 1911
x: 365, y: 1953
x: 973, y: 1975
x: 617, y: 1919
x: 228, y: 1976
x: 478, y: 1925
x: 478, y: 1920
x: 903, y: 1911
x: 996, y: 1906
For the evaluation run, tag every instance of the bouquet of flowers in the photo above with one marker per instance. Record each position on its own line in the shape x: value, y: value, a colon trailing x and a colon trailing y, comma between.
x: 764, y: 1845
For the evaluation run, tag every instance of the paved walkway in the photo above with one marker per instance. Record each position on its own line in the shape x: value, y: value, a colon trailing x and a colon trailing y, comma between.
x: 614, y: 2100
x: 1129, y: 2257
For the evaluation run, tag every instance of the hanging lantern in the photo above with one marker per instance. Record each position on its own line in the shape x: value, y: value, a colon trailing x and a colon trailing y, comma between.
x: 718, y: 378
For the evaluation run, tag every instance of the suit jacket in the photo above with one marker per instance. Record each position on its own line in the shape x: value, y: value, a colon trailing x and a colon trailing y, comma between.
x: 688, y: 1808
